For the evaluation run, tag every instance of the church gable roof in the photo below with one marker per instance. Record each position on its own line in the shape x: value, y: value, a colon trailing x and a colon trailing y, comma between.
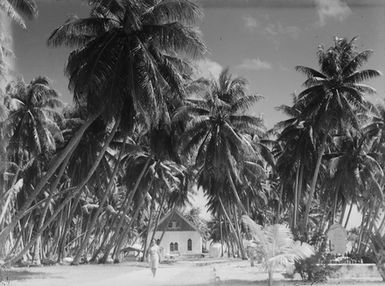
x: 177, y: 222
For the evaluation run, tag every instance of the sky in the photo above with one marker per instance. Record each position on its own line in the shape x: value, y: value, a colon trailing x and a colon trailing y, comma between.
x: 261, y: 40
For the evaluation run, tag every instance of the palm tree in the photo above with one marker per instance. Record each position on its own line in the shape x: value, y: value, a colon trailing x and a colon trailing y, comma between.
x: 31, y: 120
x: 295, y: 138
x: 128, y: 52
x: 216, y: 135
x: 354, y: 167
x: 334, y: 95
x: 276, y: 245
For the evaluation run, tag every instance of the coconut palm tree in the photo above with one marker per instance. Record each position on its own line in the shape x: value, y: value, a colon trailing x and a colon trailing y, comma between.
x: 127, y: 54
x: 295, y: 137
x: 334, y: 95
x: 216, y: 132
x: 216, y: 136
x: 31, y: 120
x: 276, y: 245
x: 353, y: 167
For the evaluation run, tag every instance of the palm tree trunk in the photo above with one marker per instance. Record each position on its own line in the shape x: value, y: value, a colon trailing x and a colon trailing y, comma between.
x: 125, y: 210
x: 382, y: 224
x: 106, y: 194
x: 36, y: 257
x: 343, y: 212
x: 234, y: 189
x: 337, y: 191
x: 314, y: 181
x: 128, y: 228
x: 9, y: 192
x: 364, y: 224
x: 226, y: 215
x: 71, y: 213
x: 300, y: 187
x: 159, y: 214
x: 241, y: 247
x: 348, y: 216
x: 372, y: 219
x: 54, y: 166
x: 270, y: 277
x: 296, y: 198
x: 152, y: 207
x: 221, y: 234
x: 278, y: 216
x: 70, y: 196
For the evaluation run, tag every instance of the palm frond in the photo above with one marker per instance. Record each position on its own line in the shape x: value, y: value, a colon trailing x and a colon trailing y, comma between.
x: 360, y: 76
x: 245, y: 103
x: 182, y: 11
x: 28, y: 8
x: 77, y: 32
x: 309, y: 72
x: 176, y: 37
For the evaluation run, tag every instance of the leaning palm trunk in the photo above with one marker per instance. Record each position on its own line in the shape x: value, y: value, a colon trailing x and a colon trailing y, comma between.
x: 148, y: 231
x: 236, y: 222
x: 234, y: 189
x: 71, y: 214
x: 129, y: 227
x: 91, y: 227
x: 233, y: 229
x: 4, y: 234
x: 125, y: 210
x: 314, y: 182
x: 348, y: 216
x: 158, y: 215
x: 37, y: 251
x: 76, y: 190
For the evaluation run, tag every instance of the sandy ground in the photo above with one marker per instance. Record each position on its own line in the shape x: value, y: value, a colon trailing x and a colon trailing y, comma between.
x: 189, y: 273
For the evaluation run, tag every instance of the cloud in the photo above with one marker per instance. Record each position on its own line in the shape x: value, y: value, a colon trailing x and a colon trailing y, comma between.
x: 254, y: 65
x: 250, y: 22
x: 331, y: 9
x: 263, y: 25
x: 208, y: 68
x: 278, y: 29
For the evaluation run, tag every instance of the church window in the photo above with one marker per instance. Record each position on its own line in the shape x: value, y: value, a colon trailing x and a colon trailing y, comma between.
x: 189, y: 245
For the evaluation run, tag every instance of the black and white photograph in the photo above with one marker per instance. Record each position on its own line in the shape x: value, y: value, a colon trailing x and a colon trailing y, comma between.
x: 192, y: 142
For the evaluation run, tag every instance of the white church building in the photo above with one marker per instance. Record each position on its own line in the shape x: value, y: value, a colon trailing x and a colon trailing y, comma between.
x: 180, y: 237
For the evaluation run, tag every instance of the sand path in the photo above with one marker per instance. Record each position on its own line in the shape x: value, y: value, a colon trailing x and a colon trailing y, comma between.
x: 225, y: 273
x: 186, y: 274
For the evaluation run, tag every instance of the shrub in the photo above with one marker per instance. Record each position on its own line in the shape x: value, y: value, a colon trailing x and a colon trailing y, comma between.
x: 315, y: 269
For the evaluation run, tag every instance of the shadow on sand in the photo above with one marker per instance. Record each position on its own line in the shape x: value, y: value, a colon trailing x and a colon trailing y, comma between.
x: 15, y: 274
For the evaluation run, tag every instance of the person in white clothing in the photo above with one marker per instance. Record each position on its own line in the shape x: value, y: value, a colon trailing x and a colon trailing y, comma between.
x: 153, y: 257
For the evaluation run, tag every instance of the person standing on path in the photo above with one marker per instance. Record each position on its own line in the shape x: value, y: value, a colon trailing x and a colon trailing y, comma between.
x: 154, y: 257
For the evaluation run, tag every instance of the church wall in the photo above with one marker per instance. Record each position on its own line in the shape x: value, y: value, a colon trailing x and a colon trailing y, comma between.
x: 181, y: 237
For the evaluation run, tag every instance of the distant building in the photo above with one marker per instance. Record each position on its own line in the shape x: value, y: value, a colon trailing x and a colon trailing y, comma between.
x: 180, y: 237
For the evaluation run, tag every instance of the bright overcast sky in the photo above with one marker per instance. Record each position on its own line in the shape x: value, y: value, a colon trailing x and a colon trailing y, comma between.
x: 261, y: 40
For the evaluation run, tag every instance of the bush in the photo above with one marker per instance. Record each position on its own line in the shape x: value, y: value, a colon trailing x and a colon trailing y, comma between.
x: 315, y: 269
